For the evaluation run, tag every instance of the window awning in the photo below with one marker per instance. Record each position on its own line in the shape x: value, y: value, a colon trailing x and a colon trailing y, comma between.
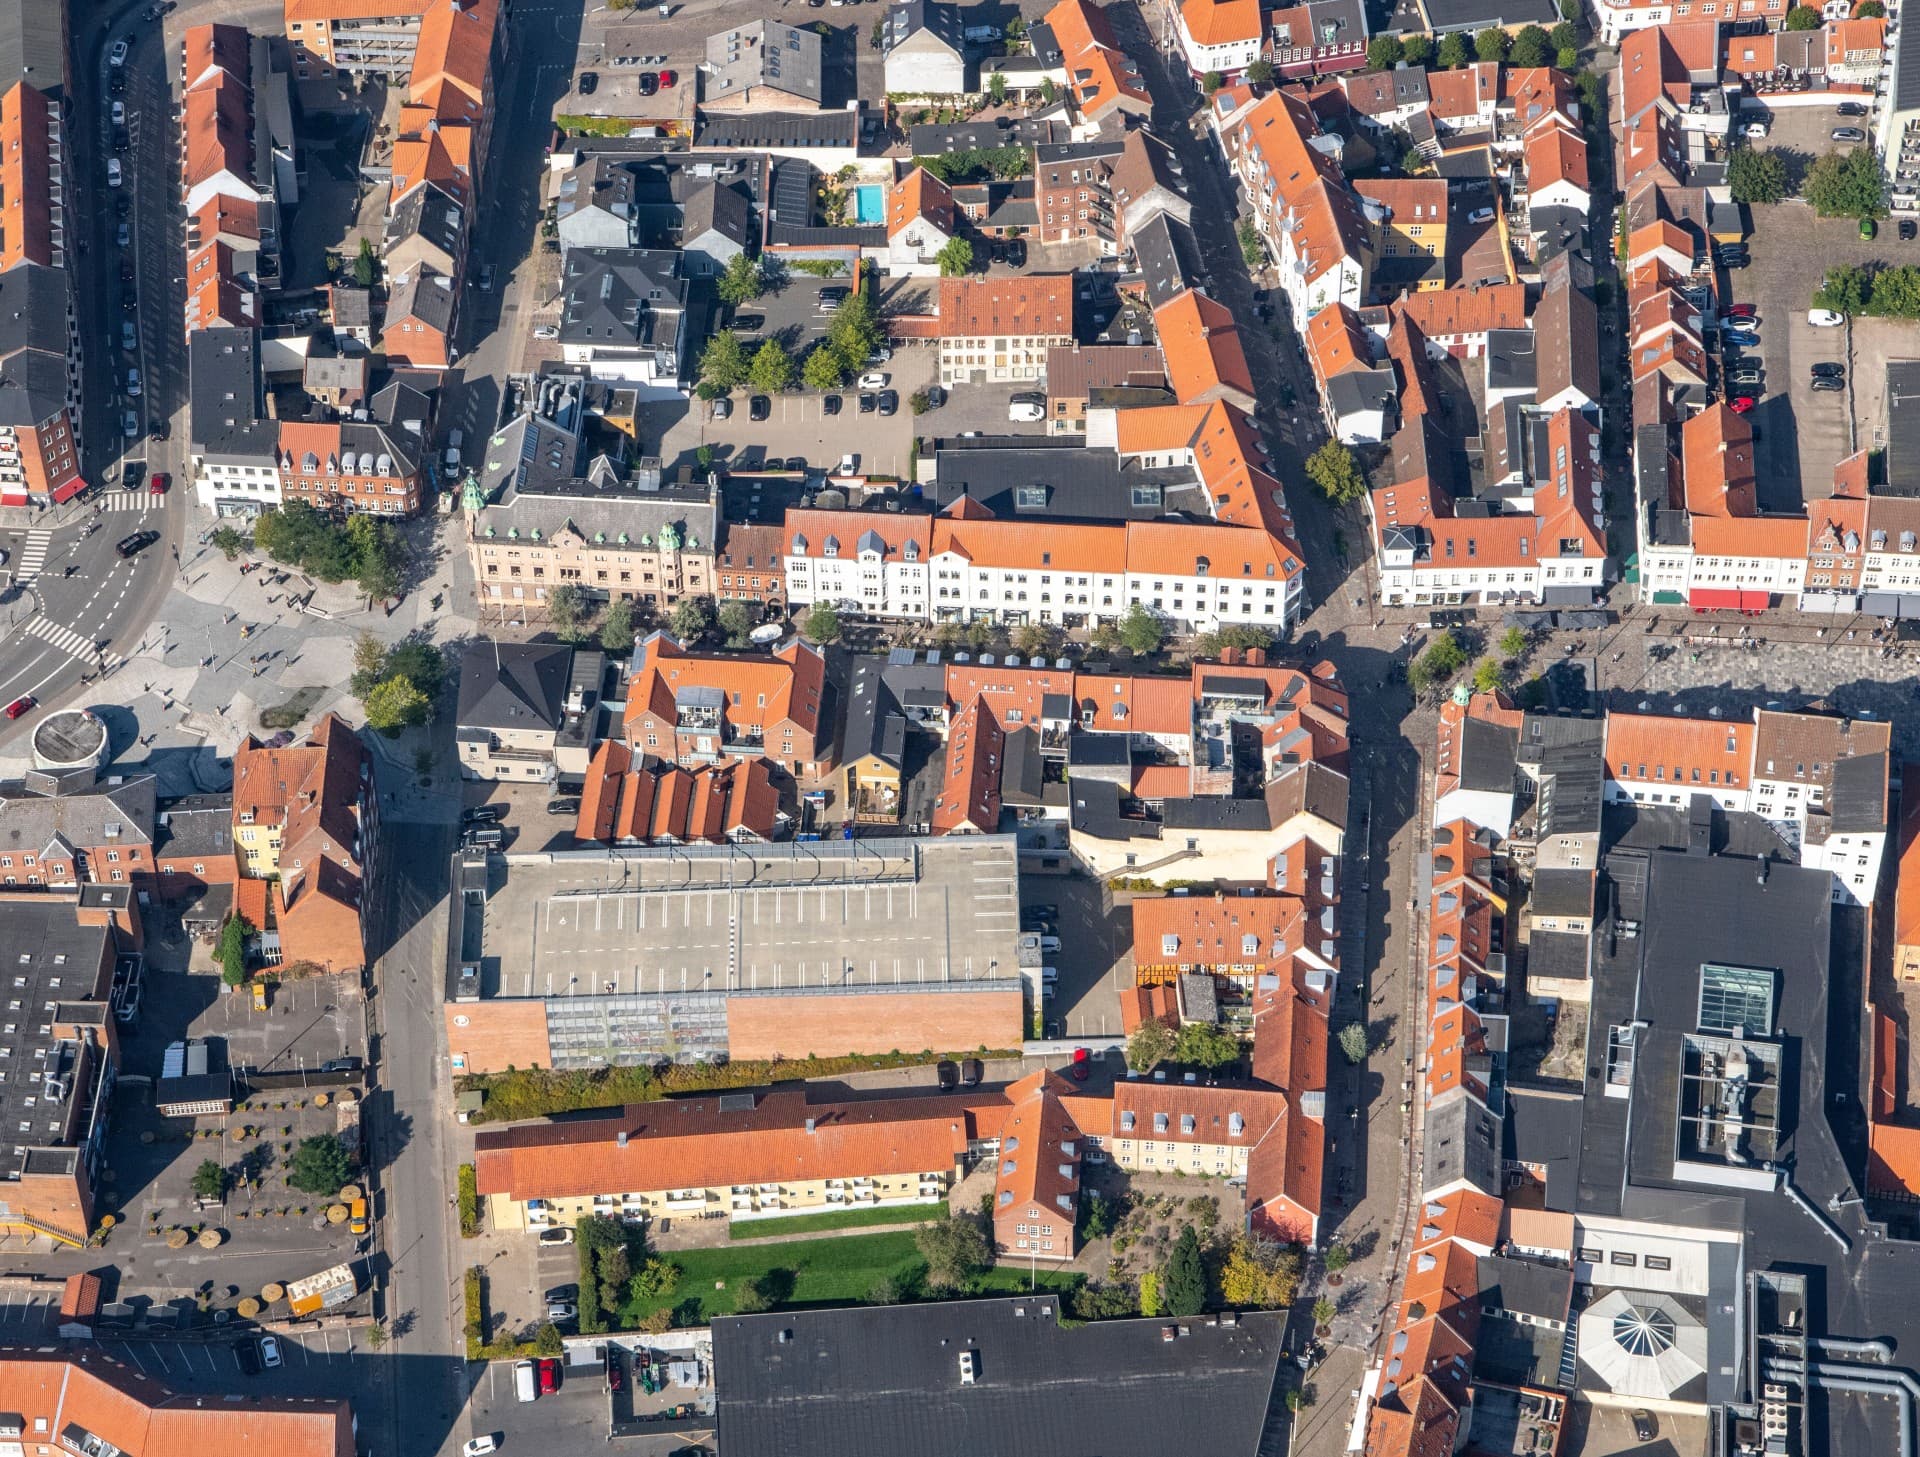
x: 71, y: 489
x: 1703, y: 599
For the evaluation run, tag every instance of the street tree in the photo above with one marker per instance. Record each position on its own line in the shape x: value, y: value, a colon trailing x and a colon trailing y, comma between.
x: 1334, y: 470
x: 692, y: 619
x: 772, y: 368
x: 743, y: 280
x: 824, y: 370
x: 723, y: 362
x: 1845, y: 290
x: 231, y: 953
x: 1384, y: 52
x: 1453, y: 51
x: 395, y: 704
x: 209, y: 1181
x: 616, y: 628
x: 1141, y: 631
x: 567, y: 612
x: 1491, y: 44
x: 736, y: 622
x: 1531, y: 47
x: 1150, y: 1045
x: 1260, y: 73
x: 822, y: 624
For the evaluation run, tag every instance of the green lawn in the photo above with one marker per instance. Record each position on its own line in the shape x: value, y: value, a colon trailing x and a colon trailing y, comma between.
x: 752, y: 1229
x: 815, y: 1272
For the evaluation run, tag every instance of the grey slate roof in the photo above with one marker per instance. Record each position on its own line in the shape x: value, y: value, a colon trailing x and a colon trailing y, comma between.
x: 425, y: 294
x: 430, y: 214
x: 197, y: 827
x: 1463, y: 1142
x: 1031, y: 477
x: 225, y: 421
x: 929, y: 139
x: 886, y: 1379
x: 513, y: 685
x: 613, y: 297
x: 1168, y: 256
x: 757, y: 130
x: 714, y: 207
x: 31, y: 818
x: 33, y: 44
x: 766, y: 53
x: 941, y: 20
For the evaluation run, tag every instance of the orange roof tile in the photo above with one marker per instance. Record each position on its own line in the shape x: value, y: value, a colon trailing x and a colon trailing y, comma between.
x: 1039, y: 1158
x: 1704, y: 751
x: 1555, y: 154
x: 1243, y: 932
x: 969, y: 794
x: 1849, y: 40
x: 1337, y: 342
x: 761, y: 689
x: 1034, y: 544
x: 1202, y: 346
x: 452, y: 57
x: 1452, y: 313
x: 1230, y: 552
x: 919, y: 195
x: 1220, y: 22
x: 1716, y: 448
x: 1161, y: 428
x: 1782, y: 537
x: 1039, y: 305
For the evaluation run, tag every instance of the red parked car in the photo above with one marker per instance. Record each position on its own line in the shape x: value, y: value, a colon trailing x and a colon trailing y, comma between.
x: 1082, y: 1064
x: 158, y: 485
x: 1740, y: 311
x: 668, y: 80
x: 549, y: 1372
x: 1741, y: 405
x: 20, y: 705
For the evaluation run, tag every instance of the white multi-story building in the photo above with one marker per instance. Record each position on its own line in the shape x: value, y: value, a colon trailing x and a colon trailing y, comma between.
x: 995, y: 330
x: 1222, y: 36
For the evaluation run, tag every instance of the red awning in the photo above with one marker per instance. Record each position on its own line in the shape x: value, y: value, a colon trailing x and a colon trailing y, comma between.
x: 13, y: 495
x: 68, y: 491
x: 1700, y: 599
x: 1755, y: 601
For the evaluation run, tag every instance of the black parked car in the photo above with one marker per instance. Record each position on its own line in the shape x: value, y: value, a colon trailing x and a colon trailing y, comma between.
x: 759, y: 407
x: 867, y: 403
x: 1829, y: 369
x: 248, y: 1357
x: 830, y: 404
x: 563, y: 1294
x: 483, y: 814
x: 1909, y: 230
x: 889, y: 401
x: 589, y: 83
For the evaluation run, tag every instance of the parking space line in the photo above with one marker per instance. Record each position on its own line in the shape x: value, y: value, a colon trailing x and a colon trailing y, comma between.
x: 160, y: 1356
x: 134, y: 1356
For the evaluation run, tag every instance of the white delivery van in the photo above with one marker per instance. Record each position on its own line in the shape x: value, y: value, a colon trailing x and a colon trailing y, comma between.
x: 523, y: 1380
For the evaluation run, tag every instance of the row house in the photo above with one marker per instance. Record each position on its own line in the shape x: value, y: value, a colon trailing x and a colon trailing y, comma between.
x: 1078, y: 51
x: 376, y: 465
x: 630, y: 798
x: 963, y: 569
x: 357, y: 37
x: 1072, y: 192
x: 998, y: 330
x: 62, y: 831
x: 1310, y: 219
x: 1218, y: 37
x: 691, y: 708
x: 40, y: 343
x: 1319, y: 38
x: 306, y: 835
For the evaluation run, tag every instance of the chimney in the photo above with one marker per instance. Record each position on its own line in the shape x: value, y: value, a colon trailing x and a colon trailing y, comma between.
x: 809, y: 1125
x: 620, y: 1139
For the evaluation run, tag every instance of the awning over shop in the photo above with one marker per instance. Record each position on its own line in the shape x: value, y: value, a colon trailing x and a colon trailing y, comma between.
x: 1891, y: 604
x: 1702, y: 599
x: 1755, y: 601
x: 1828, y: 602
x: 71, y: 489
x: 1667, y: 598
x: 1567, y: 596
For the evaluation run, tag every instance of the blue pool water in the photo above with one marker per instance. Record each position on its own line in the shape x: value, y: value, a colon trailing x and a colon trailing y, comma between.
x: 869, y: 205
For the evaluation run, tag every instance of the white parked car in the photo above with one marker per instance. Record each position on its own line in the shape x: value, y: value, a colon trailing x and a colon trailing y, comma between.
x: 849, y: 463
x: 113, y: 171
x: 133, y: 383
x: 1026, y: 411
x: 1756, y: 129
x: 480, y: 1446
x: 119, y: 113
x: 269, y: 1352
x: 1480, y: 215
x: 546, y: 331
x: 118, y: 55
x: 873, y: 380
x: 1825, y: 318
x: 561, y: 1235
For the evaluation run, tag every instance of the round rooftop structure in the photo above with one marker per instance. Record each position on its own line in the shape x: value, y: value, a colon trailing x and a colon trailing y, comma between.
x: 70, y: 739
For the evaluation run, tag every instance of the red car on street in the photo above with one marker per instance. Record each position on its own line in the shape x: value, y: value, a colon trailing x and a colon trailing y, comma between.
x: 20, y: 705
x: 1082, y: 1064
x: 1740, y: 311
x: 158, y: 485
x: 549, y: 1371
x: 1742, y: 404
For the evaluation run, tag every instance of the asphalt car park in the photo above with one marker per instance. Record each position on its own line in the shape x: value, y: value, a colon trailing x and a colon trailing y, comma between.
x: 1095, y: 957
x: 1804, y: 433
x: 562, y: 1421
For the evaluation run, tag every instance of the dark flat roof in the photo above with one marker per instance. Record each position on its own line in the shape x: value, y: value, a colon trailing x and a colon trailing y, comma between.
x: 887, y: 1379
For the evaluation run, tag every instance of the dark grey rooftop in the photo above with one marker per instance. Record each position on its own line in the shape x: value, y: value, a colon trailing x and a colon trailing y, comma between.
x: 929, y: 140
x: 1168, y: 257
x: 225, y: 419
x: 1463, y: 1141
x: 887, y: 1379
x: 1097, y: 809
x: 52, y: 957
x: 613, y: 297
x: 1486, y: 756
x: 1060, y: 478
x: 751, y: 130
x: 514, y: 686
x: 1543, y: 1128
x: 1562, y: 893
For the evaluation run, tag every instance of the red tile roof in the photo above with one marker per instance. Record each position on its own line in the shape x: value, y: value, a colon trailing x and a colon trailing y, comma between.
x: 1038, y: 305
x: 1202, y: 345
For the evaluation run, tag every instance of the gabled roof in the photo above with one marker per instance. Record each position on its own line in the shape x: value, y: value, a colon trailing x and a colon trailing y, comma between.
x: 1201, y: 343
x: 452, y: 57
x: 514, y: 686
x: 1100, y: 74
x: 919, y: 195
x: 1035, y: 305
x: 1220, y: 22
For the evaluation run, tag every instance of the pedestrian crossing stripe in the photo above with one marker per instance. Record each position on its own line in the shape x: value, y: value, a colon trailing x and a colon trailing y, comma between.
x: 33, y: 556
x: 126, y: 500
x: 70, y: 642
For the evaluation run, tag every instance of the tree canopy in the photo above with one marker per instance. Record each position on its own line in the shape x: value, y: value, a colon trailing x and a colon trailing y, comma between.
x: 743, y: 280
x: 1803, y: 17
x: 1531, y: 47
x: 1140, y: 630
x: 1847, y: 184
x: 772, y: 368
x: 955, y: 1249
x: 1756, y: 177
x: 956, y: 258
x: 1150, y: 1045
x: 723, y: 362
x: 1184, y: 1285
x: 1491, y: 44
x: 1334, y: 470
x: 320, y: 1165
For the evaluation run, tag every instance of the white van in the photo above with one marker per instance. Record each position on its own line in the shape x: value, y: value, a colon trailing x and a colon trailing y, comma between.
x: 523, y: 1380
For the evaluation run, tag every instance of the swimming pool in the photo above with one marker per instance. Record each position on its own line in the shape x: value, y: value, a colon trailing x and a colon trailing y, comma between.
x: 869, y: 203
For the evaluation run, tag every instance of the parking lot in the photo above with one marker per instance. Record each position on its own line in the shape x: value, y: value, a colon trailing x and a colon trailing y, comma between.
x: 1095, y: 959
x: 672, y: 1419
x: 1804, y: 433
